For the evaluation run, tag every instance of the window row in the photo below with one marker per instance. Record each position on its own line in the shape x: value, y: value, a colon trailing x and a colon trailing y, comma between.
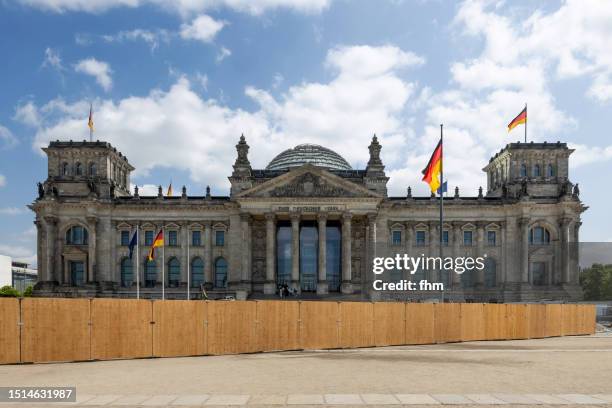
x: 152, y: 273
x: 173, y: 238
x: 420, y: 238
x: 537, y: 171
x: 78, y: 169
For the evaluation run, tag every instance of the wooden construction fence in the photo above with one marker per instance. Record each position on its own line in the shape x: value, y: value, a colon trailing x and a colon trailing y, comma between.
x: 49, y: 330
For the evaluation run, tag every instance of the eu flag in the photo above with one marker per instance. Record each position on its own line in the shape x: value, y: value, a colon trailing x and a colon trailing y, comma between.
x: 443, y: 188
x: 133, y: 243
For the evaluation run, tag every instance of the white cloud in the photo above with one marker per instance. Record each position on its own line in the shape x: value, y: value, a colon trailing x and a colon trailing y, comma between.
x: 183, y: 7
x: 2, y: 180
x: 7, y: 139
x: 185, y: 131
x: 52, y: 59
x: 222, y: 54
x: 27, y: 114
x: 11, y: 211
x: 152, y: 38
x: 19, y: 253
x: 366, y: 61
x: 98, y: 69
x: 203, y: 28
x: 589, y: 154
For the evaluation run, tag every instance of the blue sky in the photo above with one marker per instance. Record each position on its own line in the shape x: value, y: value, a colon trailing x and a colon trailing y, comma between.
x: 173, y: 86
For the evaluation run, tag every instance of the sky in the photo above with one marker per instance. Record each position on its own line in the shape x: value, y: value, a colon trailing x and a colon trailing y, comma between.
x: 174, y: 84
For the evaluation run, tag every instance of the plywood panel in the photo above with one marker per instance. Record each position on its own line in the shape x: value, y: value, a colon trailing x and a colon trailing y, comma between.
x: 586, y: 319
x: 179, y: 329
x: 319, y: 325
x: 517, y: 321
x: 420, y: 323
x: 569, y: 319
x: 473, y: 321
x: 389, y: 323
x: 447, y: 322
x: 591, y: 319
x: 495, y: 322
x: 9, y: 330
x: 553, y: 320
x: 356, y: 324
x: 231, y: 327
x: 278, y: 325
x: 537, y: 321
x: 121, y: 328
x: 55, y: 330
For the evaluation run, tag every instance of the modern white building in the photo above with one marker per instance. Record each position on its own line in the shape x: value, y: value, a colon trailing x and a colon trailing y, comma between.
x: 16, y: 274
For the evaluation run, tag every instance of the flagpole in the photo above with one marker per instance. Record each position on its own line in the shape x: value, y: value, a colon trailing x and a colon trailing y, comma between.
x: 442, y: 200
x: 163, y: 264
x: 525, y: 122
x: 137, y: 262
x: 188, y: 265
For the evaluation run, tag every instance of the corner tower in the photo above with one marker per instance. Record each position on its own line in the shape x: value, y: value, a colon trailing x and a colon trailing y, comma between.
x: 530, y: 169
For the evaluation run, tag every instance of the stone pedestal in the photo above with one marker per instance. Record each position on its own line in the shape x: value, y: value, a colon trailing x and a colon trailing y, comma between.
x: 269, y: 288
x: 322, y: 288
x: 346, y: 288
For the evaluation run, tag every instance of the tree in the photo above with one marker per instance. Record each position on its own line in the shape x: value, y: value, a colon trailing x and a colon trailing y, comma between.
x: 28, y: 291
x: 596, y: 282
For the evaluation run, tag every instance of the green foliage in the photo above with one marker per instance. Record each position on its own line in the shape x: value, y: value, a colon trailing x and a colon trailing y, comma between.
x: 9, y: 291
x: 28, y: 291
x: 596, y: 282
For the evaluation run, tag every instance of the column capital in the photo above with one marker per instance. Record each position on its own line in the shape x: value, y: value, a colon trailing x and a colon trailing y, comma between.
x: 565, y: 222
x: 207, y: 223
x: 322, y: 216
x: 481, y: 224
x: 51, y: 220
x: 294, y: 216
x: 245, y: 217
x: 270, y: 216
x: 524, y: 221
x: 372, y: 217
x: 92, y: 220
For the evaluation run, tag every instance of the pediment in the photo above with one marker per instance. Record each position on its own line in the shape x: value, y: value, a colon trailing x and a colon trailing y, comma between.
x: 308, y: 181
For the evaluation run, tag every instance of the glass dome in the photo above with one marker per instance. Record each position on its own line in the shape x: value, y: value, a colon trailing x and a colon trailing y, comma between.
x: 308, y: 153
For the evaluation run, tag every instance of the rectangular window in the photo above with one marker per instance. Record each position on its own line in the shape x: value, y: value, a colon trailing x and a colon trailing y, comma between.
x: 467, y: 238
x: 219, y: 238
x: 172, y: 238
x: 125, y: 238
x: 444, y: 238
x: 420, y: 238
x: 397, y: 237
x: 148, y: 238
x: 491, y: 238
x: 196, y: 238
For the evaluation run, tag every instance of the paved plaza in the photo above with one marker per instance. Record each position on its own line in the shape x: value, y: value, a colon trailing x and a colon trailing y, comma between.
x: 569, y: 371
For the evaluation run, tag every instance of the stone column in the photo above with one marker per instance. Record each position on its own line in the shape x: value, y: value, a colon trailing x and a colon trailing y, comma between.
x: 564, y: 226
x: 295, y: 251
x: 480, y: 251
x: 92, y: 223
x: 245, y: 220
x: 51, y: 239
x: 347, y: 286
x: 208, y: 254
x: 269, y: 285
x: 501, y: 277
x: 574, y: 259
x: 524, y: 262
x: 455, y: 278
x: 184, y: 240
x: 322, y: 287
x: 434, y: 242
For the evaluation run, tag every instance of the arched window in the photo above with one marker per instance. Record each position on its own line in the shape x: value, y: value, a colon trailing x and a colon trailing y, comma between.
x: 536, y: 170
x: 127, y: 276
x: 150, y: 273
x: 220, y: 273
x: 467, y: 279
x: 523, y: 170
x: 92, y: 169
x: 490, y: 273
x: 78, y: 169
x: 174, y: 272
x: 76, y: 235
x: 550, y: 171
x: 65, y: 169
x: 539, y: 236
x: 197, y: 272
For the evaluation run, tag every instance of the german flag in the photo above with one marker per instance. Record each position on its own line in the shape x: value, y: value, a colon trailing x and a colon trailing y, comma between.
x: 431, y: 173
x: 520, y: 119
x: 157, y: 242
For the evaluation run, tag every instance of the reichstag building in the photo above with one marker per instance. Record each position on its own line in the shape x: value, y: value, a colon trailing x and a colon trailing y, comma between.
x: 310, y: 221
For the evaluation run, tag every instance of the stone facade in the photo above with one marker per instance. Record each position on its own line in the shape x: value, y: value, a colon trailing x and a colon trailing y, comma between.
x: 276, y: 223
